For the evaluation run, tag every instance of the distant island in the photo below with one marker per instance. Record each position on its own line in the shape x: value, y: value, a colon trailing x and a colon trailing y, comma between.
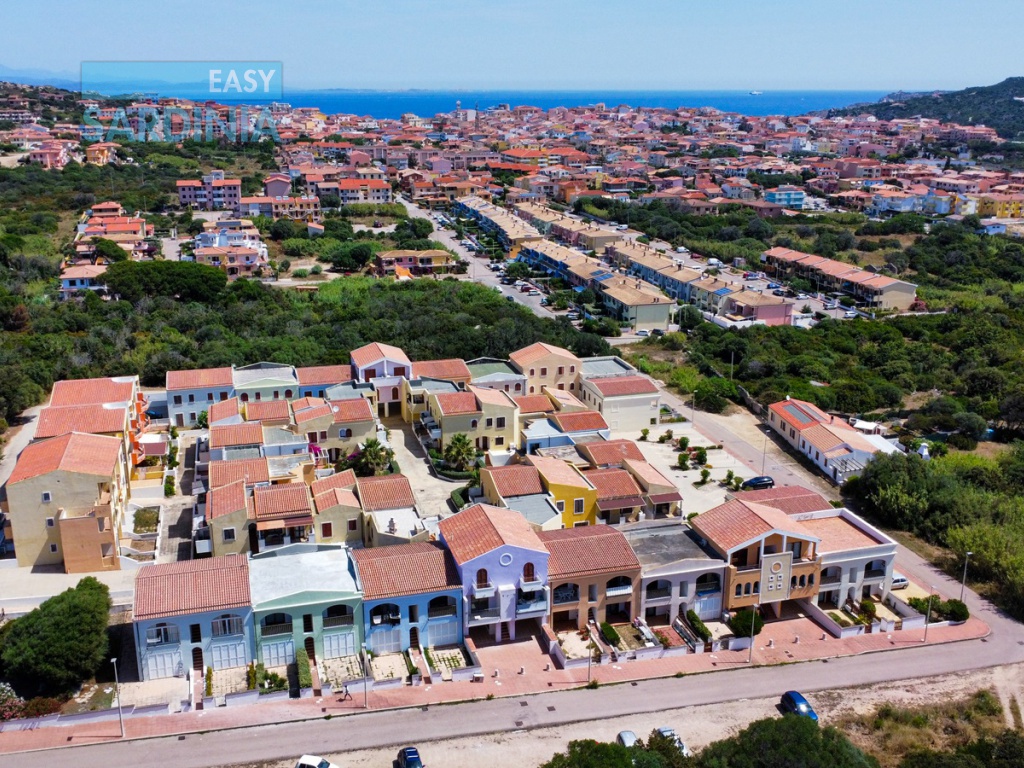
x: 997, y: 106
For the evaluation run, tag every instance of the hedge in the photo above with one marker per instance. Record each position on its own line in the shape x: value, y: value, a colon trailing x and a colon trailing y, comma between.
x: 699, y: 627
x: 609, y: 634
x: 302, y: 665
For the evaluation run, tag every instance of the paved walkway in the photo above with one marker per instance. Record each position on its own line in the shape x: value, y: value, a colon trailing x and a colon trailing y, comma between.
x: 540, y: 676
x: 431, y: 492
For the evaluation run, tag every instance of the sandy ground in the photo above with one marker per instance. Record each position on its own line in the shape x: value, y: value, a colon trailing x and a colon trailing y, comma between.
x: 697, y: 726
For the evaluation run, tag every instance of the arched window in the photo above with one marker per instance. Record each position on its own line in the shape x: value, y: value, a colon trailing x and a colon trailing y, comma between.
x: 227, y: 624
x: 287, y: 393
x: 803, y: 580
x: 757, y: 587
x: 518, y: 386
x: 810, y: 580
x: 528, y: 572
x: 473, y: 423
x: 746, y: 588
x: 481, y: 578
x: 394, y: 393
x: 338, y: 616
x: 245, y: 397
x: 739, y: 590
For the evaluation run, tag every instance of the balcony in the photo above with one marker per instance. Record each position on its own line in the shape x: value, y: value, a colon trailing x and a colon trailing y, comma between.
x: 659, y: 594
x: 339, y: 621
x: 486, y: 616
x: 625, y: 590
x: 438, y: 613
x: 530, y: 584
x: 533, y: 603
x: 276, y: 629
x: 830, y: 579
x: 874, y: 573
x: 389, y: 619
x: 483, y: 590
x: 565, y: 595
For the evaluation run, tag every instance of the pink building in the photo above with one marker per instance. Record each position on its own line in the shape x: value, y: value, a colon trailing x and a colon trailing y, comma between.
x: 214, y: 192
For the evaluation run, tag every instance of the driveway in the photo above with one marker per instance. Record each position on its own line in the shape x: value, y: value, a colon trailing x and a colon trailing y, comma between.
x: 431, y: 492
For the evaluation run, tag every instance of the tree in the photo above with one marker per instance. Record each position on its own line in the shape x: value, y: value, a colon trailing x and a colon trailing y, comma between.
x: 203, y: 420
x: 282, y: 229
x: 971, y: 424
x: 109, y: 250
x: 184, y: 280
x: 60, y: 644
x: 517, y: 270
x: 712, y: 394
x: 743, y: 620
x: 373, y: 459
x: 460, y: 454
x: 591, y: 754
x: 690, y: 317
x: 793, y: 741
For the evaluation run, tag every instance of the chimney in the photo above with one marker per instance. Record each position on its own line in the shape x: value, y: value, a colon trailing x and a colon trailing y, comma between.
x: 392, y: 528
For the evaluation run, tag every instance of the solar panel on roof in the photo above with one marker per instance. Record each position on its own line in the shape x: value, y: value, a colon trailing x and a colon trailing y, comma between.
x: 797, y: 414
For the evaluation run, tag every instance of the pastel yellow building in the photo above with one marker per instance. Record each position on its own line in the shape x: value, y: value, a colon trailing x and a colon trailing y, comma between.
x: 575, y: 497
x: 545, y: 365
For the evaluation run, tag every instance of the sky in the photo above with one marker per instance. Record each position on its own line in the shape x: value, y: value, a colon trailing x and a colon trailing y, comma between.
x: 541, y: 44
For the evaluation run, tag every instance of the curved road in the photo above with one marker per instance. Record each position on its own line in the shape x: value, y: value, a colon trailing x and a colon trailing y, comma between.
x: 1005, y: 645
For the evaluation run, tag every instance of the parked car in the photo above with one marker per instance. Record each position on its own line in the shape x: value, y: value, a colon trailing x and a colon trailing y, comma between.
x: 794, y: 703
x: 899, y: 581
x: 626, y: 739
x: 670, y: 734
x: 758, y: 483
x: 622, y: 227
x: 774, y: 285
x: 533, y: 292
x: 643, y: 332
x: 314, y: 761
x: 802, y: 296
x: 850, y: 314
x: 573, y: 315
x: 658, y: 332
x: 510, y: 297
x: 778, y: 292
x: 409, y: 757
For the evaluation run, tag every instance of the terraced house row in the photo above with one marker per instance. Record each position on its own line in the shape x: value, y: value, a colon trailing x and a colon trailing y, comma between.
x: 491, y: 574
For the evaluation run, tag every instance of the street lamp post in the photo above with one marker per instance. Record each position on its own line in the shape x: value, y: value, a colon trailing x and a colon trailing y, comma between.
x: 764, y: 452
x: 590, y: 657
x: 366, y: 676
x: 963, y: 581
x: 117, y: 695
x: 753, y: 621
x: 928, y: 616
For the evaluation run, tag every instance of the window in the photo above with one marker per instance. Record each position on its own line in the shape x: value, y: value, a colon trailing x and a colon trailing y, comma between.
x: 489, y: 423
x: 327, y: 530
x: 473, y: 423
x: 501, y: 422
x: 543, y: 372
x: 245, y: 397
x: 177, y: 399
x: 757, y: 587
x: 307, y: 622
x: 277, y: 394
x: 287, y: 393
x: 518, y: 386
x: 228, y: 624
x: 577, y: 507
x: 259, y: 397
x: 560, y: 506
x: 49, y: 522
x: 414, y: 613
x: 529, y: 572
x: 192, y: 416
x: 344, y: 433
x: 561, y: 370
x: 229, y: 535
x: 580, y: 524
x: 353, y: 524
x: 561, y: 385
x: 209, y: 397
x: 746, y: 588
x: 53, y: 549
x: 195, y: 633
x: 162, y: 634
x: 499, y: 441
x: 572, y: 369
x: 47, y: 497
x: 796, y: 548
x: 323, y: 435
x: 223, y: 396
x: 481, y: 577
x: 532, y: 373
x: 572, y: 387
x: 191, y: 398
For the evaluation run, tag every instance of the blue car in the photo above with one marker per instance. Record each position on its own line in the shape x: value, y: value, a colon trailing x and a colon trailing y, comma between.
x: 409, y: 757
x: 794, y: 703
x: 774, y: 285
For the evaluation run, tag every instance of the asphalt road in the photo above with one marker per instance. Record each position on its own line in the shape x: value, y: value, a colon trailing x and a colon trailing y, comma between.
x: 373, y: 730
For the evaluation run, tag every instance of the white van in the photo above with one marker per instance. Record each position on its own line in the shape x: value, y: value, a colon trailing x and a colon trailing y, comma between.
x: 714, y: 263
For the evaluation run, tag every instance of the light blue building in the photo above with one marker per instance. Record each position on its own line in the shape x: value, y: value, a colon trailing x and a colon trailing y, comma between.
x: 412, y: 597
x: 193, y: 615
x: 787, y: 196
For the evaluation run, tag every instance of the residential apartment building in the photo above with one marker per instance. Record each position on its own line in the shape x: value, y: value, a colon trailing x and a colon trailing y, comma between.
x: 545, y: 365
x: 214, y: 192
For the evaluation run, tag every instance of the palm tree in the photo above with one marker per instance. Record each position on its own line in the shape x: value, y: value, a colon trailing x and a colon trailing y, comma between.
x: 374, y: 458
x: 460, y: 453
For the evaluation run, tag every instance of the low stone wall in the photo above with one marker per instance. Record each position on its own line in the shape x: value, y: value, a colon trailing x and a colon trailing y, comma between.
x: 465, y: 674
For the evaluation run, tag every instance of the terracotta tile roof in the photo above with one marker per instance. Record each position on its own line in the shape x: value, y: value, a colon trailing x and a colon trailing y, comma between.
x: 92, y: 391
x: 335, y: 497
x: 225, y: 500
x: 267, y: 410
x: 405, y: 569
x: 224, y: 409
x: 791, y: 499
x: 492, y: 396
x: 736, y: 522
x: 251, y: 471
x: 227, y: 435
x: 647, y: 473
x: 385, y: 492
x: 620, y: 386
x: 456, y: 403
x: 534, y: 404
x: 310, y: 408
x: 288, y: 500
x: 371, y: 353
x: 88, y: 419
x: 345, y: 479
x: 192, y: 586
x: 557, y: 471
x: 799, y: 414
x: 353, y: 410
x: 483, y: 528
x: 514, y: 480
x: 199, y: 378
x: 578, y: 421
x: 72, y: 452
x: 534, y: 352
x: 588, y: 550
x: 323, y: 375
x: 453, y: 368
x: 613, y: 483
x: 610, y: 452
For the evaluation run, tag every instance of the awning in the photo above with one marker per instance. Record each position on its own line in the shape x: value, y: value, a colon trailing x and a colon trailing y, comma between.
x: 286, y: 522
x: 625, y: 502
x: 664, y: 498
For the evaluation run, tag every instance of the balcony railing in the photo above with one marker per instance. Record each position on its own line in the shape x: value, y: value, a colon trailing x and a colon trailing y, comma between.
x: 528, y: 584
x: 437, y: 613
x: 831, y: 578
x: 563, y: 596
x: 485, y: 616
x: 658, y: 594
x: 276, y: 629
x: 874, y: 573
x: 390, y: 619
x: 624, y: 589
x: 339, y: 621
x: 483, y: 590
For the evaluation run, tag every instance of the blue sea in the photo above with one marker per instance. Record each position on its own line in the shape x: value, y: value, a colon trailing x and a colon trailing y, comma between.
x: 393, y: 104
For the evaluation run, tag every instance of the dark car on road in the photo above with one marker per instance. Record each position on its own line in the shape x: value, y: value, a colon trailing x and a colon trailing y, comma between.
x: 794, y: 703
x: 758, y: 483
x: 408, y: 757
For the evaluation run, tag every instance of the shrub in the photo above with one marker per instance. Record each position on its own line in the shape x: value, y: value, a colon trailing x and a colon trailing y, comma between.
x: 41, y: 706
x: 250, y: 677
x: 737, y: 483
x: 839, y: 619
x: 729, y: 475
x: 643, y: 434
x: 704, y: 475
x: 699, y: 627
x: 955, y: 610
x: 302, y: 667
x: 683, y: 443
x: 700, y: 455
x: 300, y: 273
x: 741, y: 623
x: 665, y: 436
x: 867, y: 608
x: 208, y: 691
x: 608, y: 633
x: 316, y: 270
x: 11, y: 705
x: 683, y: 461
x: 169, y: 486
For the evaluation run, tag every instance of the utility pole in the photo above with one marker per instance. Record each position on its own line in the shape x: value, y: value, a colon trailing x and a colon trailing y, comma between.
x: 963, y: 581
x: 117, y: 695
x: 928, y: 616
x: 753, y: 620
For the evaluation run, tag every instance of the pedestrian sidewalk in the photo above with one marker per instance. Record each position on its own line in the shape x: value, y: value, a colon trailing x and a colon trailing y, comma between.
x: 779, y: 642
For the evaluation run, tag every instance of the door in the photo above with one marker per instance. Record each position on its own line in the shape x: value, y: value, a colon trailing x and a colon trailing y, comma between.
x: 443, y: 633
x: 179, y: 420
x: 339, y: 644
x: 385, y: 641
x: 160, y: 665
x: 311, y: 648
x: 197, y: 659
x: 278, y: 654
x: 708, y: 607
x: 228, y: 656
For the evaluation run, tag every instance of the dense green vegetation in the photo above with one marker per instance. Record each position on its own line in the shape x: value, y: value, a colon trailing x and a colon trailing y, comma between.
x: 57, y: 646
x: 991, y: 105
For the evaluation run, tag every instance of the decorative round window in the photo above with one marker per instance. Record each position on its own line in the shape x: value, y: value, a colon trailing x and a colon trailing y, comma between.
x: 776, y: 566
x: 505, y: 559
